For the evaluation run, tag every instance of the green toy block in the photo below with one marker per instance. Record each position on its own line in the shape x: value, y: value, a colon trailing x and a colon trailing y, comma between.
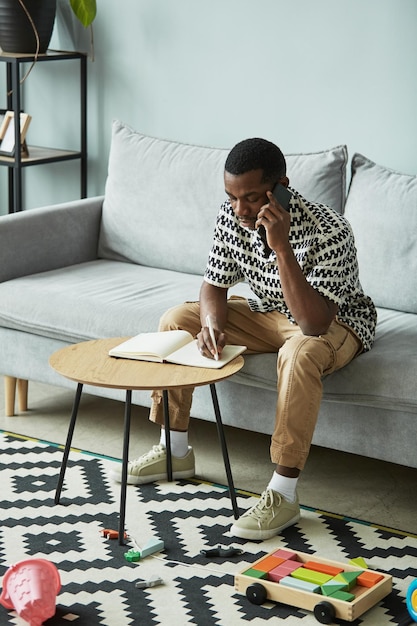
x: 132, y: 556
x: 343, y: 595
x: 331, y: 587
x: 255, y: 573
x: 348, y: 577
x: 311, y: 576
x: 359, y: 561
x: 352, y: 577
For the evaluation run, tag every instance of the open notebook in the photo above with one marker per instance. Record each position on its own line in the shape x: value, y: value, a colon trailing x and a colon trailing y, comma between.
x: 172, y: 346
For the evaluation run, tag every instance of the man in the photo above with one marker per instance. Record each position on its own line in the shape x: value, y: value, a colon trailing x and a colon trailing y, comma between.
x: 308, y: 306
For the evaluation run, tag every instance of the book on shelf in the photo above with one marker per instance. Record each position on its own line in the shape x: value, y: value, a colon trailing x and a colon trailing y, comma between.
x: 172, y: 346
x: 7, y: 133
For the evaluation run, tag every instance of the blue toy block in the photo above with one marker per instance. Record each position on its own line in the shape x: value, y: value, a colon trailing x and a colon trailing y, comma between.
x: 297, y: 583
x: 151, y: 546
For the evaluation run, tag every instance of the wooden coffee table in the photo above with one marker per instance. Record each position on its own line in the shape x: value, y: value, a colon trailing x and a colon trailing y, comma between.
x: 89, y: 363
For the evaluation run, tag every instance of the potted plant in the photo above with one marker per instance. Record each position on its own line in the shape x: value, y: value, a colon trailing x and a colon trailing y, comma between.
x: 26, y: 25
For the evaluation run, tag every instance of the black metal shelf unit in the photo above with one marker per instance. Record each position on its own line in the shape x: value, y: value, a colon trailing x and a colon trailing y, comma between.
x: 38, y: 155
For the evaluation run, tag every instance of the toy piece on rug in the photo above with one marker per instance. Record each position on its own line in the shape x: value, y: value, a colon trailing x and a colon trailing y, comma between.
x: 221, y: 552
x: 151, y: 546
x: 30, y: 588
x: 411, y: 600
x: 109, y: 533
x: 151, y: 582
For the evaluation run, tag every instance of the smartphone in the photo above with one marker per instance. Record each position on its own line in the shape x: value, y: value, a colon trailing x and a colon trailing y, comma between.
x: 282, y: 194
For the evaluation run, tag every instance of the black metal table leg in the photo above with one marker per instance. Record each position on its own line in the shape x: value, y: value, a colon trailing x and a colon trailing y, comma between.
x: 68, y: 442
x: 167, y: 434
x: 225, y: 453
x: 123, y: 486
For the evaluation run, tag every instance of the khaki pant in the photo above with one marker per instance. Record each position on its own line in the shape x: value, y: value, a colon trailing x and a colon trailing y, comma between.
x: 302, y: 362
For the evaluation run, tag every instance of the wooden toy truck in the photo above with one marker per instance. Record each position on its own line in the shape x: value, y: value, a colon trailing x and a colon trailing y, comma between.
x: 328, y: 588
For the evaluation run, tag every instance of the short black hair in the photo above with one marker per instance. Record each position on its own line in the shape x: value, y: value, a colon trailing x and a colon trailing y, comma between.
x: 257, y: 154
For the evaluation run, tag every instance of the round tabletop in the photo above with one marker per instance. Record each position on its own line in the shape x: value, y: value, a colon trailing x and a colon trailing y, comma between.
x: 89, y: 363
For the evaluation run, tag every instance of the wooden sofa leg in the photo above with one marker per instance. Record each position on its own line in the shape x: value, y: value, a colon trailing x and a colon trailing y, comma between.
x: 9, y: 394
x: 10, y: 384
x: 22, y: 394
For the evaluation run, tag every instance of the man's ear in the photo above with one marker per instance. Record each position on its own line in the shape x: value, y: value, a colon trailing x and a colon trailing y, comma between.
x: 285, y: 181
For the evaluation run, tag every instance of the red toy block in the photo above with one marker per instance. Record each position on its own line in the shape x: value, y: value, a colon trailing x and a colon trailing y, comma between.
x: 270, y: 562
x: 368, y: 579
x: 108, y: 533
x: 323, y: 568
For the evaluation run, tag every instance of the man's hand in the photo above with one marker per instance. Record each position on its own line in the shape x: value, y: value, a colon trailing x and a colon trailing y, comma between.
x: 205, y: 343
x: 213, y: 303
x: 276, y: 221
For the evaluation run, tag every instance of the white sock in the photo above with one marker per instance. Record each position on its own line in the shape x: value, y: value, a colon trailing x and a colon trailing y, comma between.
x: 284, y: 485
x: 179, y: 442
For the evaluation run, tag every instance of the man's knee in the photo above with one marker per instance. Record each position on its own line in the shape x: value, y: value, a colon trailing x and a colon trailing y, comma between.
x: 305, y: 352
x: 181, y: 317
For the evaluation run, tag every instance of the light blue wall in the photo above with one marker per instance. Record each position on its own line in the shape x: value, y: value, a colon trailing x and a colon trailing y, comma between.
x: 307, y: 75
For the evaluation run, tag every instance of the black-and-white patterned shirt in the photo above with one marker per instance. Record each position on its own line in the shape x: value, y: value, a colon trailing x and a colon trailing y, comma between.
x: 323, y: 244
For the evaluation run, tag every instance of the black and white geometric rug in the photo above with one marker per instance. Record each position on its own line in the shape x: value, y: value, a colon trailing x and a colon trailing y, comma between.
x: 98, y: 583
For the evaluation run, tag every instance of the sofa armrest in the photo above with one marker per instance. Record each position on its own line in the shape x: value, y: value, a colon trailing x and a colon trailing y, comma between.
x: 44, y: 239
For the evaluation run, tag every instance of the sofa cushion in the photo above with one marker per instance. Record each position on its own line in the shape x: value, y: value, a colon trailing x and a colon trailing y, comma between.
x: 154, y: 182
x: 382, y: 378
x: 382, y: 209
x: 320, y: 176
x: 101, y: 298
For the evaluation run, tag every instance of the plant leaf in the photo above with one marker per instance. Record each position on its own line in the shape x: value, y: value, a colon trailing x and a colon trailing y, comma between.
x: 84, y: 10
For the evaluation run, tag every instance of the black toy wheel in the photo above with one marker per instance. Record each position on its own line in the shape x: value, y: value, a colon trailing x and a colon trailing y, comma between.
x: 256, y: 593
x: 324, y: 612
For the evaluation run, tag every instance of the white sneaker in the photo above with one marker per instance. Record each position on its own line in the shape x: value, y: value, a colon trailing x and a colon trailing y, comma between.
x: 152, y: 466
x: 268, y: 517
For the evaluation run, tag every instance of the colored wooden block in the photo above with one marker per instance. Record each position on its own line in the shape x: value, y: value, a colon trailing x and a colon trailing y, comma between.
x: 132, y: 556
x: 297, y: 583
x: 369, y: 579
x: 255, y: 573
x: 351, y: 577
x: 109, y: 533
x: 275, y: 575
x: 268, y: 563
x: 283, y: 570
x: 311, y: 576
x: 287, y: 555
x: 323, y: 567
x: 343, y: 595
x: 331, y: 587
x: 152, y: 546
x: 290, y: 566
x: 348, y: 577
x: 359, y: 561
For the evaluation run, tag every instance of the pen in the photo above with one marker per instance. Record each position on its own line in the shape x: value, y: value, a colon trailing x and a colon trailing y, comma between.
x: 212, y: 336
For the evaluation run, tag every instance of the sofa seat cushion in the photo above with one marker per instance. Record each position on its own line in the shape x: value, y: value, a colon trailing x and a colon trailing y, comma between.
x: 95, y: 299
x: 162, y: 197
x: 385, y: 377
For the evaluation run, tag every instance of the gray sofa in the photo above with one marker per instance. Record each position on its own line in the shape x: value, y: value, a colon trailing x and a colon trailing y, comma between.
x: 110, y: 266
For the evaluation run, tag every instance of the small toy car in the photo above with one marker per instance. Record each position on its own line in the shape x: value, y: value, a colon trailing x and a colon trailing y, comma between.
x: 328, y: 588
